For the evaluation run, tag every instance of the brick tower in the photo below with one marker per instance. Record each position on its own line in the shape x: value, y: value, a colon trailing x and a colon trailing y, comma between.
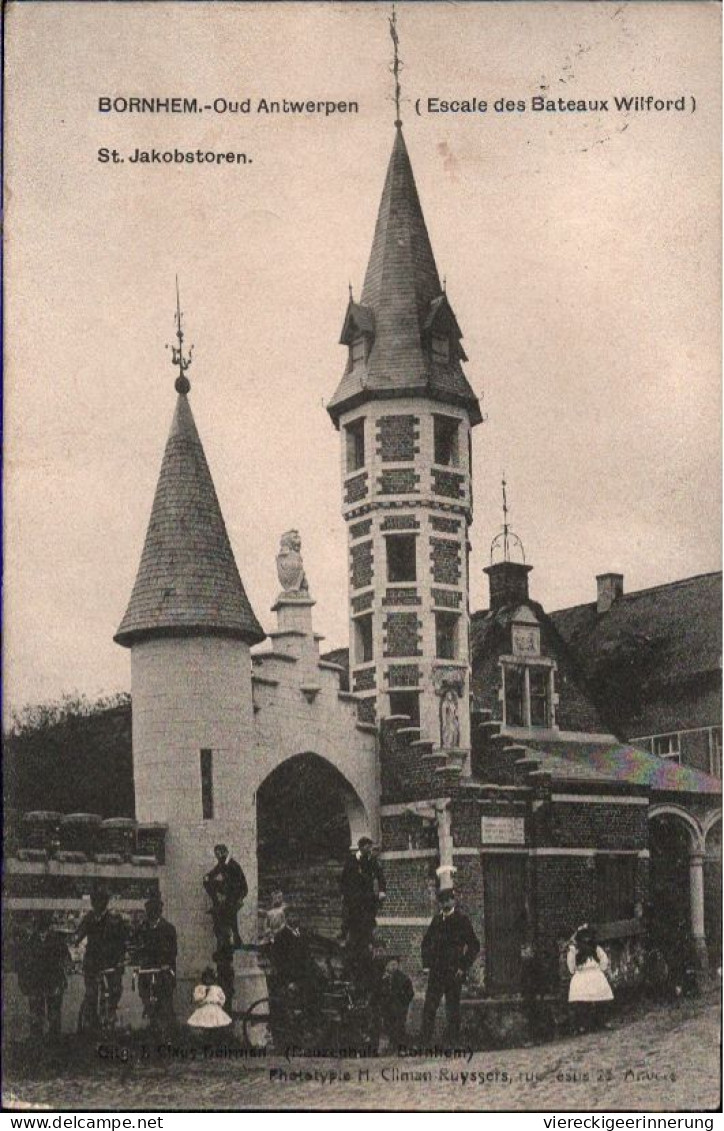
x: 405, y: 410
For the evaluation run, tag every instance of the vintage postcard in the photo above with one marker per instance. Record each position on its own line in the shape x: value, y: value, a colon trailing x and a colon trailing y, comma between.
x: 362, y: 558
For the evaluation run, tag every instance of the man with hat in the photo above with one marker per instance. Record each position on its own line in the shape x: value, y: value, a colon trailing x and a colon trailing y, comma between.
x: 43, y: 961
x: 449, y: 948
x: 363, y: 887
x: 227, y: 888
x: 155, y: 947
x: 105, y: 955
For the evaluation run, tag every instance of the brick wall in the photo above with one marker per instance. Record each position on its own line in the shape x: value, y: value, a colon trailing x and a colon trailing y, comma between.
x: 363, y: 602
x: 445, y: 557
x: 367, y: 710
x: 445, y: 525
x: 398, y: 481
x: 598, y: 825
x: 403, y: 635
x: 447, y: 598
x: 356, y: 488
x: 448, y: 483
x: 364, y: 680
x: 362, y: 564
x: 400, y: 522
x: 403, y: 675
x: 398, y: 438
x: 360, y: 529
x: 401, y: 597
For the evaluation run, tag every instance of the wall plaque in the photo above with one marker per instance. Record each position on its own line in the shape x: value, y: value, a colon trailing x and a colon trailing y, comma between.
x: 503, y: 830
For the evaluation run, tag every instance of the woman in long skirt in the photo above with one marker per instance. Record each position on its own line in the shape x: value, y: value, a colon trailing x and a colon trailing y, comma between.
x: 589, y: 992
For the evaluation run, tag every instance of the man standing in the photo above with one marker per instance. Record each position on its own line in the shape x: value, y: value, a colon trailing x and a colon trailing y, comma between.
x: 449, y: 948
x: 156, y: 947
x: 226, y: 886
x: 42, y: 964
x: 363, y: 888
x: 105, y: 954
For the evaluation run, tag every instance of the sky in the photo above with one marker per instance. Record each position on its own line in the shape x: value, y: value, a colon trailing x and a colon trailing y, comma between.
x: 581, y: 250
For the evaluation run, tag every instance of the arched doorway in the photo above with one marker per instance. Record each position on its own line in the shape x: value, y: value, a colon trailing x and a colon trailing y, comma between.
x: 669, y: 925
x: 307, y: 817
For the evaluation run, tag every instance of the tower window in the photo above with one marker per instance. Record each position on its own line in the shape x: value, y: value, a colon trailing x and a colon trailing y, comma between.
x: 447, y: 430
x: 667, y: 746
x: 446, y: 636
x: 440, y: 348
x: 364, y: 649
x: 514, y: 696
x: 355, y: 445
x: 401, y: 557
x: 539, y: 716
x: 207, y: 784
x: 406, y: 703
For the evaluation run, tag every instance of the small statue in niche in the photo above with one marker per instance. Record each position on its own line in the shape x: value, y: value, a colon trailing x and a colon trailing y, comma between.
x: 449, y: 721
x: 290, y: 566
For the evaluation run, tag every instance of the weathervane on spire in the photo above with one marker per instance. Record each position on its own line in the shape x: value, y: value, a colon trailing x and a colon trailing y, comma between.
x: 506, y: 536
x: 396, y: 64
x: 178, y: 359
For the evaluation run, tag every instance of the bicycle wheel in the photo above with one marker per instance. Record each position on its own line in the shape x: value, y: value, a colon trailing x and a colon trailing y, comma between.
x: 255, y: 1024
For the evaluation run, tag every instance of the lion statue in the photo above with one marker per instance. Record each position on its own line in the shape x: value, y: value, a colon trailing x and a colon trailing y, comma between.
x: 290, y: 566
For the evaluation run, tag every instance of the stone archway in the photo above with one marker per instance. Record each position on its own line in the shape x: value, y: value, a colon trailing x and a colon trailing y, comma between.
x: 308, y: 815
x: 676, y: 888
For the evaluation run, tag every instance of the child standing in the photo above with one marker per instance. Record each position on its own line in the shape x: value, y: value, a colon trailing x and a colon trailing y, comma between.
x: 209, y: 997
x: 276, y: 916
x: 589, y: 991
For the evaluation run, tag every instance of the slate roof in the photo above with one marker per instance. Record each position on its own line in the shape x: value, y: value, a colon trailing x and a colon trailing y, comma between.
x: 187, y: 582
x: 619, y: 762
x: 400, y: 288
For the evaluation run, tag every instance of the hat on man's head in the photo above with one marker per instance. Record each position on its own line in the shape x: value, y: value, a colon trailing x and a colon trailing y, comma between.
x: 220, y: 848
x: 364, y: 842
x: 154, y: 903
x: 445, y: 894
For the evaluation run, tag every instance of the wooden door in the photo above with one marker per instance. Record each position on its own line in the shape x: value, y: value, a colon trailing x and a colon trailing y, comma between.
x: 504, y: 911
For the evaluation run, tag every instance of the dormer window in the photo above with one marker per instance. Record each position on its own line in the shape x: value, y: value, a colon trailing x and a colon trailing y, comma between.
x: 528, y: 695
x: 440, y: 348
x: 357, y: 351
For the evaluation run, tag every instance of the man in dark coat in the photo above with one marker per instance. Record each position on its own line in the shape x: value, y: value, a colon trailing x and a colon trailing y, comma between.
x: 363, y: 888
x: 155, y: 947
x: 226, y: 886
x: 42, y: 963
x: 449, y: 948
x: 105, y: 935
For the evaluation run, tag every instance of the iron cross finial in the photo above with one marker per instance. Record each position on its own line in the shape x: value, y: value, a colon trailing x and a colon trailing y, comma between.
x: 180, y: 360
x: 396, y: 64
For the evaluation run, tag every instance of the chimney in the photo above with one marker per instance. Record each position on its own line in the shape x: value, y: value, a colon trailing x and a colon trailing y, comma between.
x: 508, y: 584
x: 610, y: 588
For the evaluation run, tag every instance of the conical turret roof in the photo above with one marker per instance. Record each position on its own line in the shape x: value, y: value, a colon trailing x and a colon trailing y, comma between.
x: 187, y: 582
x: 402, y: 305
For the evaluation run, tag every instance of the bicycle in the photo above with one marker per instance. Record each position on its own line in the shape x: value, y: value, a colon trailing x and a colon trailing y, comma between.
x: 156, y: 1004
x: 97, y: 1014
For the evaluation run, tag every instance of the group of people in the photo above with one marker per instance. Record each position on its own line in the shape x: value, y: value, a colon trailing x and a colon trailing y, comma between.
x: 43, y: 962
x: 449, y: 949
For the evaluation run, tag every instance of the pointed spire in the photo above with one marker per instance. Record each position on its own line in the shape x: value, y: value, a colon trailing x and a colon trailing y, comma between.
x: 187, y: 582
x: 403, y: 301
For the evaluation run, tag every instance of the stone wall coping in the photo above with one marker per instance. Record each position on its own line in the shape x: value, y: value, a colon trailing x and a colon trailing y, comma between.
x: 17, y: 867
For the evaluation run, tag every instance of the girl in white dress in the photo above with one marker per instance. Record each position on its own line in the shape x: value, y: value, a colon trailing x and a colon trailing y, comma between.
x: 589, y: 992
x: 209, y: 998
